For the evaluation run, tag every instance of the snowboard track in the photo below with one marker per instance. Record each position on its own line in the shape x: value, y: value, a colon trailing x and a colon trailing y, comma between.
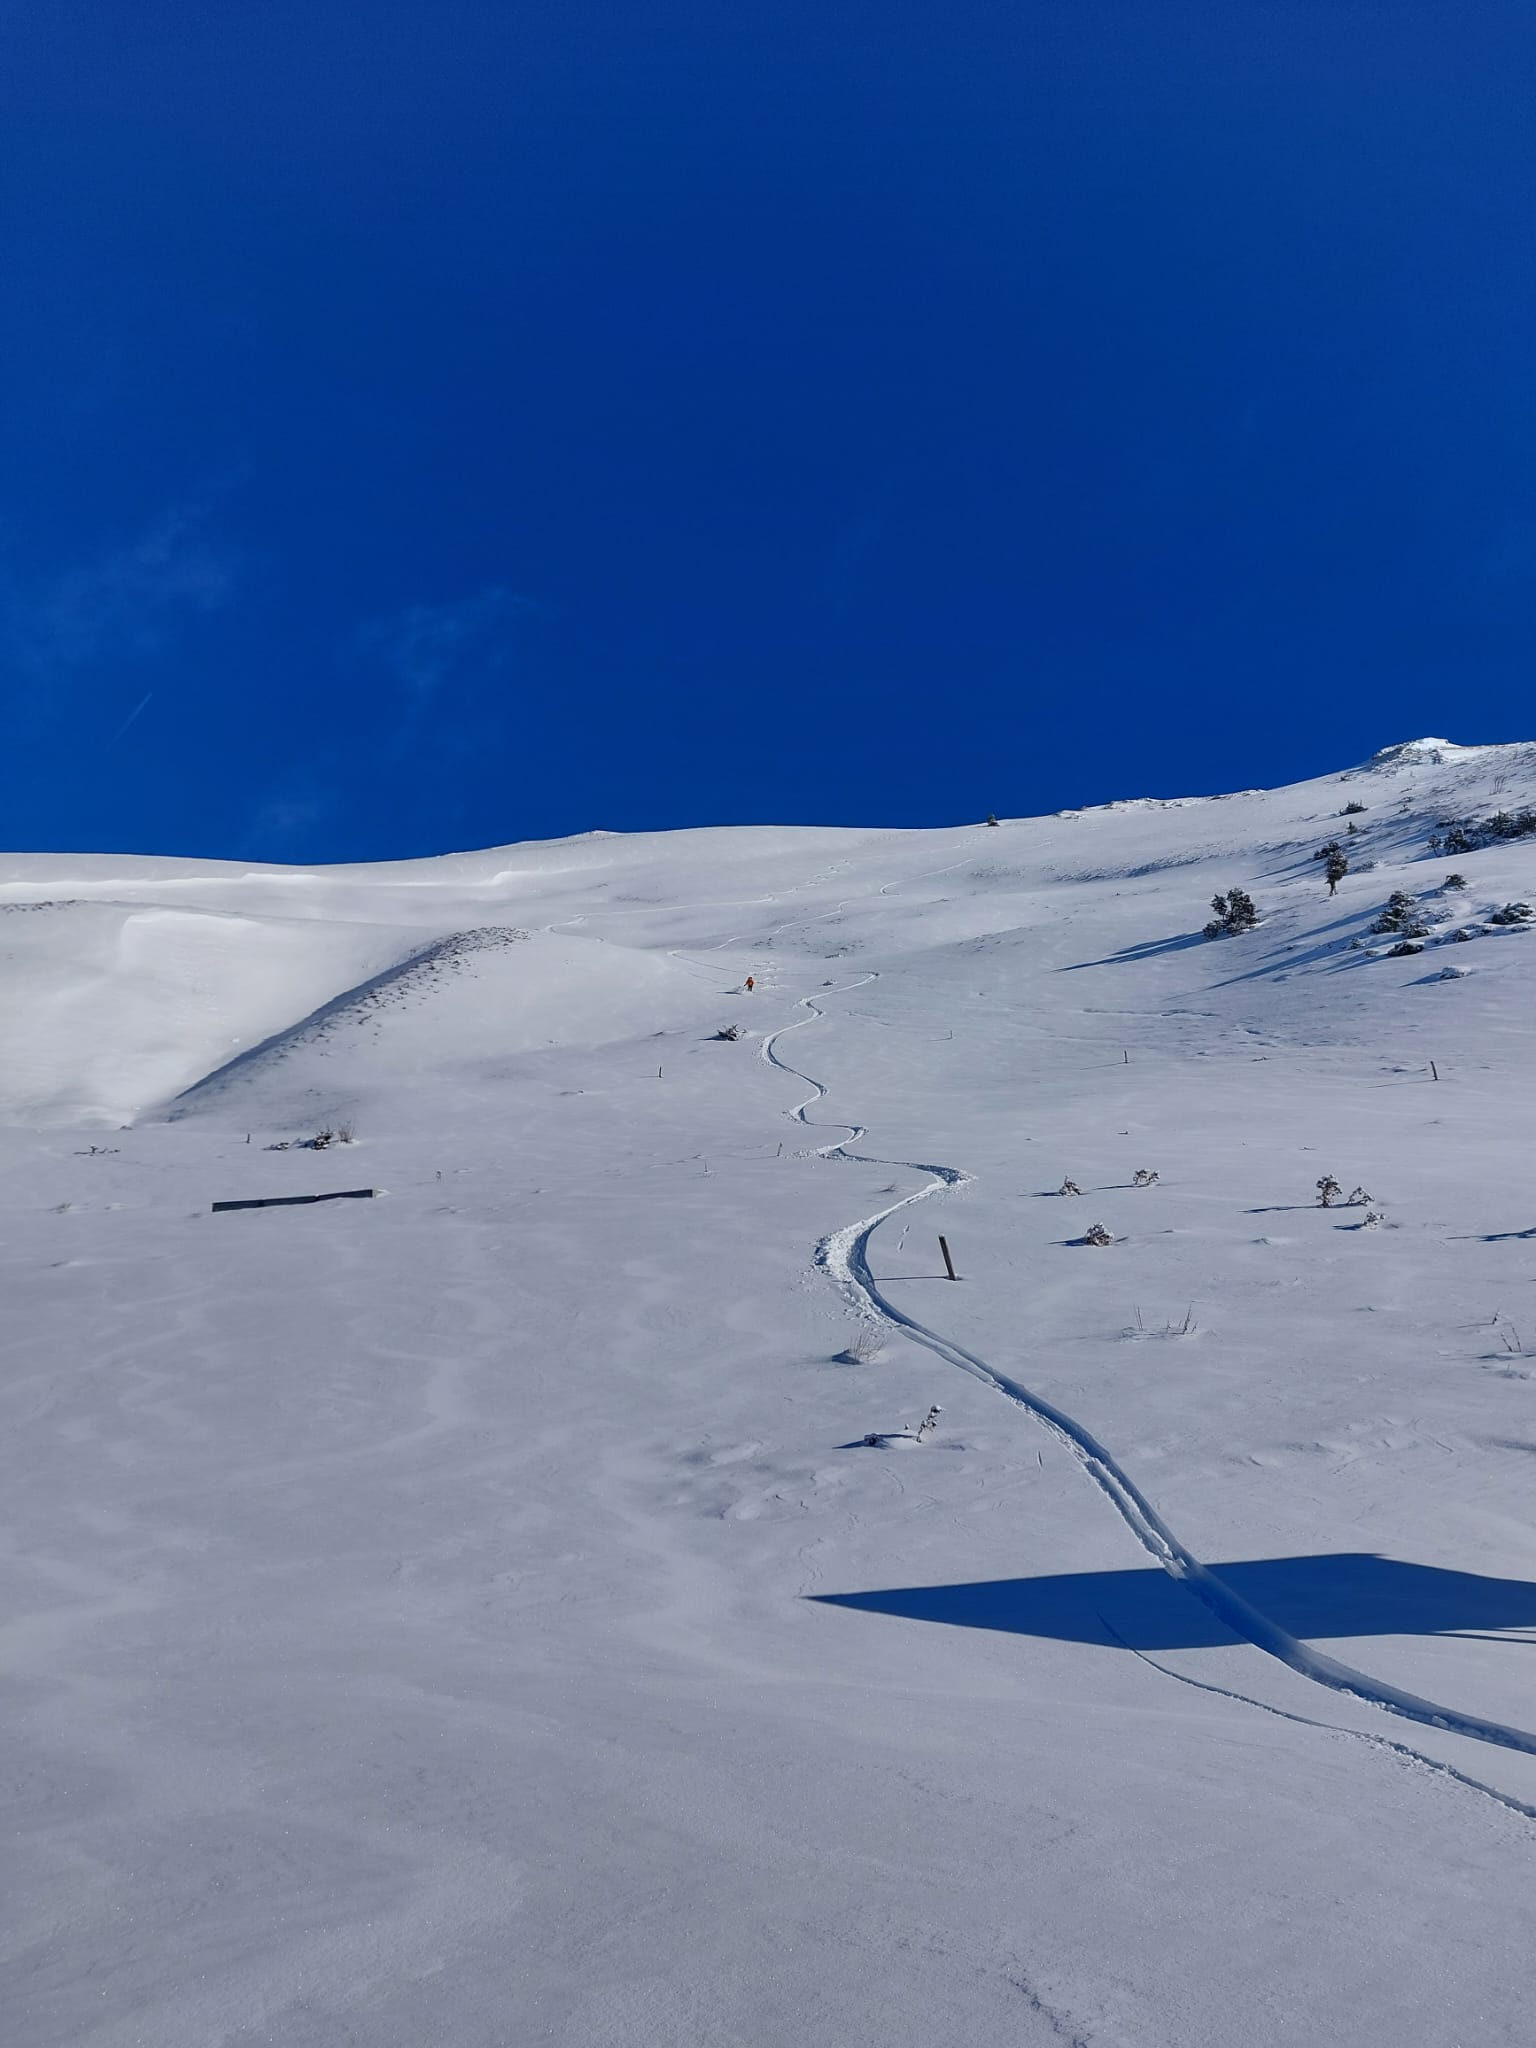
x: 844, y: 1256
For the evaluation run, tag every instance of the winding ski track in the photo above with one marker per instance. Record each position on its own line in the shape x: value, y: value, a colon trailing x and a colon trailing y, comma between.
x: 844, y: 1256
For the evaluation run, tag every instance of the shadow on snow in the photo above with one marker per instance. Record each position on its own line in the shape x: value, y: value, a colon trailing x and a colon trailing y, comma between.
x: 1149, y: 949
x: 1342, y: 1594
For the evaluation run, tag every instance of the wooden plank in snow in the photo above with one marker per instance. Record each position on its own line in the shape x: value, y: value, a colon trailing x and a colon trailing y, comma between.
x: 289, y: 1201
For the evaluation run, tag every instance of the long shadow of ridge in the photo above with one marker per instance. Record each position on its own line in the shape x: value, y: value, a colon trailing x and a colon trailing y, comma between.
x: 1350, y: 1593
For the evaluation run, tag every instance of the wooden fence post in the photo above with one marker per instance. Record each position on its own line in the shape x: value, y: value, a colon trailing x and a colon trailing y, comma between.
x: 949, y: 1264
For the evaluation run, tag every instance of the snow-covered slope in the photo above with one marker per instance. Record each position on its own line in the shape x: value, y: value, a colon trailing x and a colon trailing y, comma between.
x: 474, y: 1616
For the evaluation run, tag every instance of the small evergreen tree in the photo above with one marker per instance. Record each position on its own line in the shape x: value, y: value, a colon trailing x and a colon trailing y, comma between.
x: 1234, y: 913
x: 1337, y: 866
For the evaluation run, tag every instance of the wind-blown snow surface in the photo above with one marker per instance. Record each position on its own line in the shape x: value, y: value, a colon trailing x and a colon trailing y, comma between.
x: 472, y: 1616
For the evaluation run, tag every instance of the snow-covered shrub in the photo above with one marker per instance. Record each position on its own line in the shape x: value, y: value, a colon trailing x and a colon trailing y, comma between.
x: 1328, y: 1191
x: 1096, y: 1234
x: 1453, y: 883
x: 1069, y: 1187
x: 320, y: 1142
x: 1336, y: 869
x: 1143, y: 1178
x: 1234, y: 913
x: 1184, y: 1328
x: 1360, y: 1199
x: 885, y: 1439
x: 1512, y: 913
x: 1404, y: 949
x: 1462, y: 835
x: 1352, y: 810
x: 1400, y: 915
x: 1451, y: 836
x: 1397, y: 912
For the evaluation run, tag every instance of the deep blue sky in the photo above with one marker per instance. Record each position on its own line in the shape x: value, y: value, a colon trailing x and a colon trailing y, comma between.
x: 468, y: 422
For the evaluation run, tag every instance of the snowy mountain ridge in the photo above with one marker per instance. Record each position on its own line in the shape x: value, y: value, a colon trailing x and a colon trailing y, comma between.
x: 195, y: 957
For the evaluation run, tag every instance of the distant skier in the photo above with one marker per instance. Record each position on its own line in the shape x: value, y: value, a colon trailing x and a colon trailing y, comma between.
x: 751, y: 984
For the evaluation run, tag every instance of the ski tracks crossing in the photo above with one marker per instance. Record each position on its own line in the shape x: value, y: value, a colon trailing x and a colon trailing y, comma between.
x: 844, y: 1256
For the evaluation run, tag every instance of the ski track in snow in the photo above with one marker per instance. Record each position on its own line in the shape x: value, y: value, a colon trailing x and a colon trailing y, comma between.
x: 843, y: 1255
x: 1402, y: 1751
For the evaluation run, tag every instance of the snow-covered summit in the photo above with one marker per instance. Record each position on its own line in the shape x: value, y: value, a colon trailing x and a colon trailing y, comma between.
x: 1430, y: 750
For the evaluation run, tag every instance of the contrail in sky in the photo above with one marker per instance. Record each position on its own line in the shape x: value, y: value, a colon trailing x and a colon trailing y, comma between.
x: 133, y: 714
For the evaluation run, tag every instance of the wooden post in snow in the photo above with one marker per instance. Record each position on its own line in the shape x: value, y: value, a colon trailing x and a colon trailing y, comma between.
x: 949, y: 1264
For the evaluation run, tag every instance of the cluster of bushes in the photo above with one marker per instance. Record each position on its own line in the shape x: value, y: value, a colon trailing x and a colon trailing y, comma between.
x: 1330, y: 1195
x: 1467, y: 835
x: 1401, y: 919
x: 1401, y: 915
x: 322, y: 1141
